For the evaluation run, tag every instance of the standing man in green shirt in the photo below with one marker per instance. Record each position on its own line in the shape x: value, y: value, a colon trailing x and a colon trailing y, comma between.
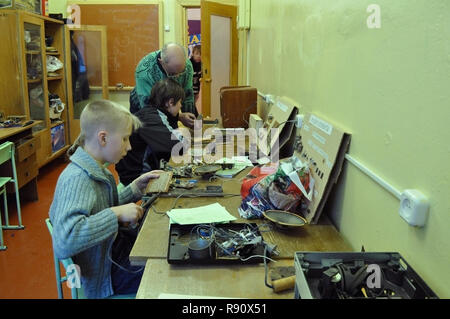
x: 169, y: 62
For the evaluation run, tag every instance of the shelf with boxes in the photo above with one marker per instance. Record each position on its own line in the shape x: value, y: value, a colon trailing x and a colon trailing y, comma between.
x: 33, y: 65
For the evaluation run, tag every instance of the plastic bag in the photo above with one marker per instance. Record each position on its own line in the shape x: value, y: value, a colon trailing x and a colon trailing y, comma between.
x: 254, y: 176
x: 277, y: 191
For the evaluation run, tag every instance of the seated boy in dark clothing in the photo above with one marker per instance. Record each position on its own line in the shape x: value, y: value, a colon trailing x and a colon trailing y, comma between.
x: 153, y: 140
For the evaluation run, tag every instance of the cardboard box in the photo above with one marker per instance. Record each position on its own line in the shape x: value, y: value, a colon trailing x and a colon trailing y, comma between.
x: 281, y: 116
x: 324, y: 149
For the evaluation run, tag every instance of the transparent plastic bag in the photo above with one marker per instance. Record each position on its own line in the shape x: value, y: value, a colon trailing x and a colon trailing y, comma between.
x: 276, y: 191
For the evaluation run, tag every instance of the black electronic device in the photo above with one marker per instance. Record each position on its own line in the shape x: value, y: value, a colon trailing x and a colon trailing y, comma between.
x: 28, y: 123
x: 364, y: 275
x: 57, y: 16
x: 231, y: 243
x: 134, y: 229
x: 207, y: 121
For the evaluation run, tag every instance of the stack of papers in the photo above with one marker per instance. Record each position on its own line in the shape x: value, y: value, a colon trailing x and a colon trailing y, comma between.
x: 214, y: 213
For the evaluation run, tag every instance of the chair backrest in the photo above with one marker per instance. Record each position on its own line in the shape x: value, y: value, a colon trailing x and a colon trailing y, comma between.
x: 6, y: 152
x: 66, y: 262
x: 77, y: 293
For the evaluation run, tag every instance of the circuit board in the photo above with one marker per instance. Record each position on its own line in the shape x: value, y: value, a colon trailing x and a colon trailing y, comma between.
x: 233, y: 243
x: 159, y: 185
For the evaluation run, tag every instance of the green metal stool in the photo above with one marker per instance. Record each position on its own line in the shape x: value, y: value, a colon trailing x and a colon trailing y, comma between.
x: 7, y: 154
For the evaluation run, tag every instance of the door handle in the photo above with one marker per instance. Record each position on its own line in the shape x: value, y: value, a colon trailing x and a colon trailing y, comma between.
x: 207, y: 79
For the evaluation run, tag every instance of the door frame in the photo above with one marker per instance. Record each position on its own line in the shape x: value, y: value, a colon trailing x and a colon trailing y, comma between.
x: 181, y: 11
x: 181, y: 37
x: 184, y: 23
x: 207, y: 9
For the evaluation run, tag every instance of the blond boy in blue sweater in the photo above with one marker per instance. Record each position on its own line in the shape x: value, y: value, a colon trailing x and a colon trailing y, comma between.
x: 87, y: 206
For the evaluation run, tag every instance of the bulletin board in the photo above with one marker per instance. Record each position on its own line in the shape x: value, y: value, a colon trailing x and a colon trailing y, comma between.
x: 132, y: 32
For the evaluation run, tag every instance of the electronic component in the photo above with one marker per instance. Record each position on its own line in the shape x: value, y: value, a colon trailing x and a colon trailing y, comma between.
x: 159, y: 185
x: 222, y: 243
x: 385, y: 275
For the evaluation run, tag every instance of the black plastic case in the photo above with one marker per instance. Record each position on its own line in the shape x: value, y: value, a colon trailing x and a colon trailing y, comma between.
x: 312, y: 269
x: 181, y: 235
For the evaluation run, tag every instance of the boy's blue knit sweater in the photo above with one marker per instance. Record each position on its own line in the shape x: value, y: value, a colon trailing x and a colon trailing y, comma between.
x: 84, y: 226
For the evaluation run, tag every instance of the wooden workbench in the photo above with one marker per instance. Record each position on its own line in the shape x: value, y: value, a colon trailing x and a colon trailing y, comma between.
x: 152, y: 241
x: 243, y: 281
x: 237, y: 281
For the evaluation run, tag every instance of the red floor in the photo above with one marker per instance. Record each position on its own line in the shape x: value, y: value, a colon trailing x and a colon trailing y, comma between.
x: 26, y: 267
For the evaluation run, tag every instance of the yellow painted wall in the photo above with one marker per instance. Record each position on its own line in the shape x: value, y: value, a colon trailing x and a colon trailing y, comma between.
x: 57, y: 6
x: 389, y: 88
x: 172, y: 17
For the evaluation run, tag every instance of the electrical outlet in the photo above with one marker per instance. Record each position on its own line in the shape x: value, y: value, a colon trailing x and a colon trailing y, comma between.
x: 299, y: 120
x: 414, y: 207
x: 269, y: 99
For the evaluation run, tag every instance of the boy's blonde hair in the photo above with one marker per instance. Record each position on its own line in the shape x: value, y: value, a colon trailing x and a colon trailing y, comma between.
x: 102, y: 115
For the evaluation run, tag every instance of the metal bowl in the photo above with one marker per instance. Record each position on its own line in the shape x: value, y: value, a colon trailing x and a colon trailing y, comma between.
x: 284, y: 219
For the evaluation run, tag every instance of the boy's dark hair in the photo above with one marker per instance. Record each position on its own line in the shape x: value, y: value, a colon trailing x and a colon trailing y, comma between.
x: 165, y: 90
x: 197, y: 48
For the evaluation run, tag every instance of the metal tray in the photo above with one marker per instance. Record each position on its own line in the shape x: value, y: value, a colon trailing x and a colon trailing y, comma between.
x: 398, y: 280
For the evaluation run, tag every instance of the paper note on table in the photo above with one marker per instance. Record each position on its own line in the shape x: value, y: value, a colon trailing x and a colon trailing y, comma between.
x: 214, y: 213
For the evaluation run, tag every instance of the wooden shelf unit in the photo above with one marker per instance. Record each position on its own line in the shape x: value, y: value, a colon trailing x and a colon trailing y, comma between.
x: 24, y: 53
x: 53, y: 78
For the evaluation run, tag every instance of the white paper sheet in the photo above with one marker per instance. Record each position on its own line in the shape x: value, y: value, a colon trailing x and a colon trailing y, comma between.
x: 214, y: 213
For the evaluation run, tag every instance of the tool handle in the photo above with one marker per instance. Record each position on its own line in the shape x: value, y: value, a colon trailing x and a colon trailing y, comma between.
x: 283, y: 284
